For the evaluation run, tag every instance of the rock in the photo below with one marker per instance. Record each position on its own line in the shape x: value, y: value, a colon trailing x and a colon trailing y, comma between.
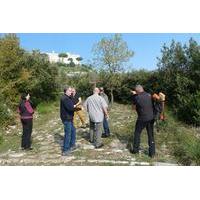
x: 108, y: 153
x: 68, y: 158
x: 109, y: 162
x: 133, y: 159
x: 87, y: 146
x: 117, y: 150
x: 92, y: 161
x: 116, y: 144
x: 99, y: 149
x: 16, y: 155
x: 134, y: 163
x: 45, y: 148
x: 3, y: 154
x: 144, y: 163
x: 164, y: 164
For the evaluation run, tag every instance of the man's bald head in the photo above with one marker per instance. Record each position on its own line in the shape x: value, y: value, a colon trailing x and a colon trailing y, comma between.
x: 96, y: 90
x: 139, y: 89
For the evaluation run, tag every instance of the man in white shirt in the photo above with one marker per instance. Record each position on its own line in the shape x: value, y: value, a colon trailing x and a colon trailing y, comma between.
x: 96, y: 107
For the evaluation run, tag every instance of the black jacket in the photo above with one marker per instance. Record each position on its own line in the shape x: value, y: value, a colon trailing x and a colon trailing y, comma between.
x: 144, y: 106
x: 66, y: 108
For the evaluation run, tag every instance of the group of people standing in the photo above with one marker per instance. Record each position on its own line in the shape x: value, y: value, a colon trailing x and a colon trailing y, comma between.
x: 96, y: 106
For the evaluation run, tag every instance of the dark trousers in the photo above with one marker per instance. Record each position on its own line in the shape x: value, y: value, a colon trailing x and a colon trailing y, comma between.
x: 27, y: 125
x: 140, y: 125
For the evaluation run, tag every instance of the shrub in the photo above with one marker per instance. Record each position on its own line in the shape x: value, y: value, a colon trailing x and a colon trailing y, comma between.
x: 46, y: 107
x: 1, y: 139
x: 5, y: 113
x: 187, y: 149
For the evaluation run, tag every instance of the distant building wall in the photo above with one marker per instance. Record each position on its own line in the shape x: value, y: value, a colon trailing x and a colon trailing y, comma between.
x: 53, y: 57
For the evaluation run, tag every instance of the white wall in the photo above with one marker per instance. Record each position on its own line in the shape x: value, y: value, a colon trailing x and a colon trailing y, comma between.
x: 53, y: 57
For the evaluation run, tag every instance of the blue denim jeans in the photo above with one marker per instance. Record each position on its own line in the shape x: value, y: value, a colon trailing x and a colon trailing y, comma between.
x: 70, y: 135
x: 106, y: 127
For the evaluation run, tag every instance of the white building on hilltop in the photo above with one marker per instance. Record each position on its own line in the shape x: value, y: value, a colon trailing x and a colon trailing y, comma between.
x: 54, y: 57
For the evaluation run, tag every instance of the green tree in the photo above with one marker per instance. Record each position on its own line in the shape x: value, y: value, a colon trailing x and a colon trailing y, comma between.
x: 62, y: 56
x: 110, y: 55
x: 179, y: 74
x: 79, y: 59
x: 10, y: 56
x: 37, y: 76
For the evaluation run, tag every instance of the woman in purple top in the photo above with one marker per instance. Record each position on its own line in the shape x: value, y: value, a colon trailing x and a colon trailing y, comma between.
x: 26, y: 112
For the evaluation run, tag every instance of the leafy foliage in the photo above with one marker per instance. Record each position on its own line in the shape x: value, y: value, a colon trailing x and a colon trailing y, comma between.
x: 110, y: 55
x: 22, y: 71
x: 179, y: 73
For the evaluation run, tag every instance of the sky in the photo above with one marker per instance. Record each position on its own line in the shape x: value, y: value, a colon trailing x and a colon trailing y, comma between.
x: 146, y: 46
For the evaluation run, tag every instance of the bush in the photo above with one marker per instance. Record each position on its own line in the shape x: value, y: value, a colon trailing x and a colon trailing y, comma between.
x: 187, y: 149
x: 81, y: 83
x: 46, y: 107
x: 1, y: 139
x: 189, y: 109
x: 180, y: 79
x: 5, y: 113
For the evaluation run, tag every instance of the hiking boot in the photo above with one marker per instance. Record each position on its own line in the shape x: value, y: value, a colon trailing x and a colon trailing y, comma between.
x: 27, y: 148
x: 98, y: 147
x: 105, y: 135
x: 73, y: 148
x: 66, y: 153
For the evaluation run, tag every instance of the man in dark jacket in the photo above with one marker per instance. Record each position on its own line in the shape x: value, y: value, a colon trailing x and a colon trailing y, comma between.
x: 66, y: 115
x: 142, y: 102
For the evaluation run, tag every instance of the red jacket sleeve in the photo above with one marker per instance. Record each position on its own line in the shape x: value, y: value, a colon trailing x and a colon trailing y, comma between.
x: 28, y: 107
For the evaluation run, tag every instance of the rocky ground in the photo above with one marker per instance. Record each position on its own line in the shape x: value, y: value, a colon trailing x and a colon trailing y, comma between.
x: 48, y: 139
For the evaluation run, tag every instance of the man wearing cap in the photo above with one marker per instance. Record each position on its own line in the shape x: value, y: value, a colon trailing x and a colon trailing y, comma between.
x: 142, y: 102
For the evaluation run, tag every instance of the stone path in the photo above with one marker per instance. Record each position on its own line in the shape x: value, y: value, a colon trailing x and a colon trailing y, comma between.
x: 47, y: 143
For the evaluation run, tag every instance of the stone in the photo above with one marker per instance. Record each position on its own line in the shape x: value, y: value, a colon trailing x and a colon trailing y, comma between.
x: 116, y: 144
x: 134, y: 163
x: 164, y: 164
x: 117, y: 150
x: 99, y: 149
x: 86, y: 146
x: 16, y: 155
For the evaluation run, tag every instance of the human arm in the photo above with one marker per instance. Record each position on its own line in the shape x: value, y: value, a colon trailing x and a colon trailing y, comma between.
x: 29, y: 107
x: 134, y: 99
x: 68, y: 104
x: 104, y: 107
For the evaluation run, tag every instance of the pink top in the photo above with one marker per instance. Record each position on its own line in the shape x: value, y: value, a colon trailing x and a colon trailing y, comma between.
x: 29, y: 111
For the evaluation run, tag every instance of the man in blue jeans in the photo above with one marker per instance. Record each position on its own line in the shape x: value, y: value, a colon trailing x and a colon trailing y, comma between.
x: 66, y: 115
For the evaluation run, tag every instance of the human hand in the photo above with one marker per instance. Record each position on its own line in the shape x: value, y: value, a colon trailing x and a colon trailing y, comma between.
x: 133, y: 92
x: 107, y: 116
